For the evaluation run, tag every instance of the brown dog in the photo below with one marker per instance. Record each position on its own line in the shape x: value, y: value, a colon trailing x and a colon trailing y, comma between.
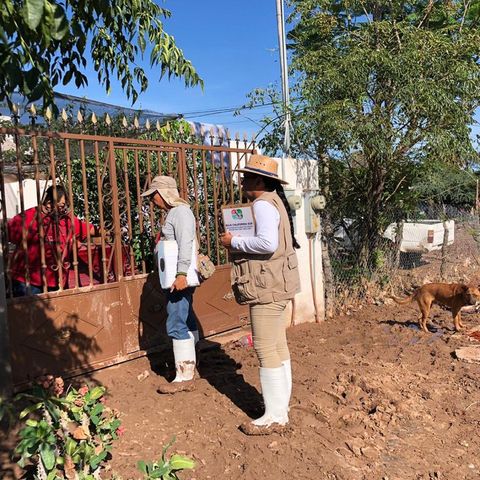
x: 453, y: 295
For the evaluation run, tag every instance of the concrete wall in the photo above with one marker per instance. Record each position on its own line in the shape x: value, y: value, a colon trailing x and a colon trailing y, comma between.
x: 12, y: 194
x: 302, y: 176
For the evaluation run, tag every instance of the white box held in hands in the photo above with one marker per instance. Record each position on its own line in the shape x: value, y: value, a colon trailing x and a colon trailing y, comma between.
x: 167, y: 257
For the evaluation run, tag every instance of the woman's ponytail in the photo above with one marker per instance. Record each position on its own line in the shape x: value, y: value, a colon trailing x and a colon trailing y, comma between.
x: 281, y: 193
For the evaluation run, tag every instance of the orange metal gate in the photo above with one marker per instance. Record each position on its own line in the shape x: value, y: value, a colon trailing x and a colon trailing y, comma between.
x: 108, y: 306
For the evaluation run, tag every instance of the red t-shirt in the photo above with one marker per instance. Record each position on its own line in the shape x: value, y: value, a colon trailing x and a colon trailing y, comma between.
x: 63, y: 235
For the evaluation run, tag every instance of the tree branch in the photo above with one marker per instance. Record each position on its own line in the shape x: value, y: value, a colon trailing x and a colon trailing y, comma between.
x: 427, y: 13
x: 467, y: 6
x: 395, y: 189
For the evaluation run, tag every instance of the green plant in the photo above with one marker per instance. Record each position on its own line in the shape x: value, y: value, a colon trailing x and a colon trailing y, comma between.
x: 378, y: 95
x: 46, y: 43
x: 166, y: 469
x: 66, y: 435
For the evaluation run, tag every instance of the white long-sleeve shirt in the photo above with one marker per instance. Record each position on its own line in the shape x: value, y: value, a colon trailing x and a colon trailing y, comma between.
x: 265, y: 241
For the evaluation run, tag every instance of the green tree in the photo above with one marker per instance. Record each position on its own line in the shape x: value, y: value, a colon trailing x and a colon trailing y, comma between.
x: 44, y: 43
x: 446, y: 184
x: 380, y: 88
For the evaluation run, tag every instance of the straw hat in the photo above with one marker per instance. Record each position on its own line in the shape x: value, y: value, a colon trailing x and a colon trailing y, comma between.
x: 167, y: 188
x: 263, y: 166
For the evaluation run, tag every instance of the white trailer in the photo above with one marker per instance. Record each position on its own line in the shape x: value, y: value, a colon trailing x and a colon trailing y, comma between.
x: 422, y: 235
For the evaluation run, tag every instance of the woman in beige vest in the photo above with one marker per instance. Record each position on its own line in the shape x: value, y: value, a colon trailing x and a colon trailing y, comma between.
x: 265, y: 276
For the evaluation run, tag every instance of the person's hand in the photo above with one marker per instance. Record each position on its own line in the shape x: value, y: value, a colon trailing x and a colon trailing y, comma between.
x: 180, y: 283
x: 226, y: 239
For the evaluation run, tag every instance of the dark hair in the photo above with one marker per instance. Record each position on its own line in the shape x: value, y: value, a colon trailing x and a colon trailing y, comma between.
x: 61, y: 192
x: 271, y: 185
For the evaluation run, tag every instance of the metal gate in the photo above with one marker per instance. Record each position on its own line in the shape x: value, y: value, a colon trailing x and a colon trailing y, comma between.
x: 108, y: 306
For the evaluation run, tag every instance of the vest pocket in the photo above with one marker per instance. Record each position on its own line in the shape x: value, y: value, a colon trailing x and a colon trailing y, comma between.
x: 264, y: 277
x: 290, y: 273
x: 292, y: 261
x: 244, y: 289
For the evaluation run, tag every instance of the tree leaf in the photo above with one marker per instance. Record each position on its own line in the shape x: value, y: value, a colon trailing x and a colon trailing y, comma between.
x: 97, y: 410
x: 69, y: 468
x: 114, y: 46
x: 30, y: 409
x: 178, y: 462
x: 97, y: 459
x: 167, y: 446
x: 52, y: 475
x: 70, y: 447
x: 141, y: 465
x: 33, y: 12
x: 60, y: 23
x: 47, y: 453
x: 79, y: 433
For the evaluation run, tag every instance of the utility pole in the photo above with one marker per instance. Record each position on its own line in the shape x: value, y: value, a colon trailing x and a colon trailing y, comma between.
x: 284, y: 76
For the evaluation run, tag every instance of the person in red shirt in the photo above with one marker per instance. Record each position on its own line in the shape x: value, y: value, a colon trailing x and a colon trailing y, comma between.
x: 57, y: 231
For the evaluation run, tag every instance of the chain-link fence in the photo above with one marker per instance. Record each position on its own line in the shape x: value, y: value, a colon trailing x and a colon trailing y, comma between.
x: 441, y: 245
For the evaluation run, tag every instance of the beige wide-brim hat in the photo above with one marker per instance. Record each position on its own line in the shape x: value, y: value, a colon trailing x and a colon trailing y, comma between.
x: 263, y: 166
x: 167, y: 188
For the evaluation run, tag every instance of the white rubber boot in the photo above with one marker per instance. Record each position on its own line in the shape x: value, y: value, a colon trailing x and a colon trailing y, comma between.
x: 287, y: 366
x: 275, y: 397
x: 185, y: 358
x: 195, y: 334
x: 184, y: 353
x: 196, y: 337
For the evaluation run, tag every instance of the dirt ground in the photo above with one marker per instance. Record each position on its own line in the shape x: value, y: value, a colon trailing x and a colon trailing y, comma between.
x: 373, y: 398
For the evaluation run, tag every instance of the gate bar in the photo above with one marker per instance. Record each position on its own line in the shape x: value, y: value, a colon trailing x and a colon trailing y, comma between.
x: 41, y: 232
x: 87, y: 212
x: 68, y: 161
x: 139, y: 206
x: 129, y: 213
x: 101, y: 212
x: 116, y: 213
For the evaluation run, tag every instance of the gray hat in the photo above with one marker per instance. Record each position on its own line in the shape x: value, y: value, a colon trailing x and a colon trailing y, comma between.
x: 167, y: 188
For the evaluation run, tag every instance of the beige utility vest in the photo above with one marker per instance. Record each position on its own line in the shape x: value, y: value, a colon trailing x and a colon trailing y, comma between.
x: 271, y: 277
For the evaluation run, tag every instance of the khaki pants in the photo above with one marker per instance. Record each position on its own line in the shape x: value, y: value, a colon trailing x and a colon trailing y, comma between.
x: 269, y: 333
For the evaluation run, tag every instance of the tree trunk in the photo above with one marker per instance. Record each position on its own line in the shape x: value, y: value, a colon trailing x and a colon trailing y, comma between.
x: 371, y: 231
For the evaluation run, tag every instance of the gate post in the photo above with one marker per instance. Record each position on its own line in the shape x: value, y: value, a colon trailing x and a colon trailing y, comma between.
x: 5, y: 365
x: 182, y: 174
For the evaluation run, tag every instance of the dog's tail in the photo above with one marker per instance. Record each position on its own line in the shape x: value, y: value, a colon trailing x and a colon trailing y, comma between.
x: 403, y: 301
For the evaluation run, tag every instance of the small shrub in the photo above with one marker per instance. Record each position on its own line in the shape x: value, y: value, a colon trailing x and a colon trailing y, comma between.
x: 165, y: 469
x: 67, y: 434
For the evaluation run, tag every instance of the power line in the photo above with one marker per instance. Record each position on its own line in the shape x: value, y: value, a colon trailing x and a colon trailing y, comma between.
x: 206, y: 113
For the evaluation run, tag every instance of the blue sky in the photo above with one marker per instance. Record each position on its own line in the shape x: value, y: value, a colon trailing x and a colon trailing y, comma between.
x: 233, y: 46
